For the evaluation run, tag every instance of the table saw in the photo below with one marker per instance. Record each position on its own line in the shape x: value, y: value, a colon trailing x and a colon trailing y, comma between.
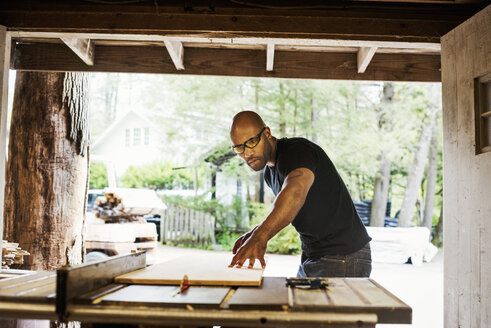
x: 88, y: 293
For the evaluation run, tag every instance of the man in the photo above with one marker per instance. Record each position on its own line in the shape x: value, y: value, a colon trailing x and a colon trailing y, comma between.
x: 310, y: 194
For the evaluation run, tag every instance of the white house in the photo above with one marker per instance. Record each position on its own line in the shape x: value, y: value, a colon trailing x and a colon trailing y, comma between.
x: 130, y: 140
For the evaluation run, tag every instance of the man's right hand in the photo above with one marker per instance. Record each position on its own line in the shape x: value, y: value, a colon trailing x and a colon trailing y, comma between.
x: 242, y: 239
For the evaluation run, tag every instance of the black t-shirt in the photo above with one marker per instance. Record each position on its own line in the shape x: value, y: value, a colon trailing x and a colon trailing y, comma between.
x: 328, y: 223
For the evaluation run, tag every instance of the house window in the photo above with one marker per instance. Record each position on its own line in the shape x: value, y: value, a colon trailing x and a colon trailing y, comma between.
x: 146, y: 141
x: 482, y: 89
x: 127, y: 137
x: 136, y: 136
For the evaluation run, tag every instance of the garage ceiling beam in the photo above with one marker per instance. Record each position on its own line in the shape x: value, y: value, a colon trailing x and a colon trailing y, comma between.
x: 269, y: 56
x: 232, y: 62
x: 83, y: 48
x: 342, y: 20
x: 176, y: 53
x: 187, y: 38
x: 365, y: 55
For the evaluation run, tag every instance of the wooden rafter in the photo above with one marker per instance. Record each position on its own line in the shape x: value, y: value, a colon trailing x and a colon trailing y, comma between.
x: 176, y: 53
x: 308, y: 42
x: 270, y: 56
x: 83, y: 48
x: 232, y: 62
x: 365, y: 55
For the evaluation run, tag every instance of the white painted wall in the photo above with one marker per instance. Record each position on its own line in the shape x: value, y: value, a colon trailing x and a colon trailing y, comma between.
x: 466, y: 55
x: 124, y: 151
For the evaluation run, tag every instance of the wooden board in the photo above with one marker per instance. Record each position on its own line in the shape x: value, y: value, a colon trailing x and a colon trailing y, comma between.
x: 35, y: 287
x: 271, y: 295
x: 343, y: 295
x: 210, y: 270
x: 401, y: 22
x: 229, y: 62
x: 195, y: 296
x: 466, y: 55
x: 353, y: 295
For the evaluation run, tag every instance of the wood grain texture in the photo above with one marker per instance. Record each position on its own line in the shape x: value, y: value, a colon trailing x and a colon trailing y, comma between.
x: 343, y: 295
x: 450, y: 194
x: 209, y: 270
x: 374, y: 21
x: 36, y: 287
x: 271, y: 295
x: 20, y: 279
x: 5, y: 50
x: 466, y: 55
x: 340, y: 293
x: 195, y: 296
x: 93, y: 296
x: 229, y: 62
x: 166, y: 316
x: 46, y: 178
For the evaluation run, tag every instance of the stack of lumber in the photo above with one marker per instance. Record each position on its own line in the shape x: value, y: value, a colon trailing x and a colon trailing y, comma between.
x: 12, y: 254
x: 127, y: 205
x: 110, y: 208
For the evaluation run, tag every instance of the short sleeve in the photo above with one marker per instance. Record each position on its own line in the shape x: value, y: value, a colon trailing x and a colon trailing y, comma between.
x: 298, y: 155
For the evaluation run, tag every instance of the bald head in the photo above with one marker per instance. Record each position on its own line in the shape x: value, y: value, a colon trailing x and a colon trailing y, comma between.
x: 246, y: 120
x: 245, y: 126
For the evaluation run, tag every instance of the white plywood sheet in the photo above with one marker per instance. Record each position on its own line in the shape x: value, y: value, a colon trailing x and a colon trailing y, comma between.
x: 210, y: 270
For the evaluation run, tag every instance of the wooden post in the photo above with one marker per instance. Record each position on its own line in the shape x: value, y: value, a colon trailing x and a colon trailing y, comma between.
x: 4, y: 85
x: 47, y: 168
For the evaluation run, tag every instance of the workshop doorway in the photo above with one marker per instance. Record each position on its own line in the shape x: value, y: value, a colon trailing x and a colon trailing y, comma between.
x: 343, y: 105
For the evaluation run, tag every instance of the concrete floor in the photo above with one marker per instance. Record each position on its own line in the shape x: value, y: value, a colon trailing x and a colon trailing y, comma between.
x: 421, y: 287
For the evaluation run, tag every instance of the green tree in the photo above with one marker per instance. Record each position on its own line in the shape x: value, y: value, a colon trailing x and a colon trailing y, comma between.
x: 157, y: 176
x: 98, y: 176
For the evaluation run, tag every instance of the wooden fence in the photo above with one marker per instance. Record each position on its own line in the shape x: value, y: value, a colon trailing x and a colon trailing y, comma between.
x: 187, y: 226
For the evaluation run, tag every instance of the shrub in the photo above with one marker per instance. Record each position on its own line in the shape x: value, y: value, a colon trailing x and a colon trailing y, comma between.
x: 227, y: 239
x: 98, y: 176
x: 157, y: 176
x: 286, y: 241
x: 228, y: 217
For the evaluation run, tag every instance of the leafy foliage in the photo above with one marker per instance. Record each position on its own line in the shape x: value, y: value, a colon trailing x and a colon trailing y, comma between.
x: 98, y: 176
x: 226, y: 216
x: 158, y: 177
x: 286, y: 241
x: 347, y: 119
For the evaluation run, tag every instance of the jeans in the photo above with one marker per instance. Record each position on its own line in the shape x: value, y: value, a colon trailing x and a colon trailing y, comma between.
x: 357, y: 264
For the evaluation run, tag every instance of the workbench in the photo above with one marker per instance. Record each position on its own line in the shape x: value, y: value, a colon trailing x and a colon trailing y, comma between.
x: 88, y: 293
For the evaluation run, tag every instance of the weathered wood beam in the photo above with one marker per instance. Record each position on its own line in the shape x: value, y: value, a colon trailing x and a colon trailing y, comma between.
x: 231, y: 62
x: 389, y: 22
x: 219, y: 41
x: 365, y: 55
x: 5, y: 44
x: 83, y: 48
x: 176, y: 53
x: 269, y: 56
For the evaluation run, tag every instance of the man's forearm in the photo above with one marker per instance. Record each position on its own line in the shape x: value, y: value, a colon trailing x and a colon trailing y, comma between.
x: 284, y: 211
x: 287, y: 204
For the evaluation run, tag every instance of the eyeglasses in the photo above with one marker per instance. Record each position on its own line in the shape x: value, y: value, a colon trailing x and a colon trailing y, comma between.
x: 251, y: 143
